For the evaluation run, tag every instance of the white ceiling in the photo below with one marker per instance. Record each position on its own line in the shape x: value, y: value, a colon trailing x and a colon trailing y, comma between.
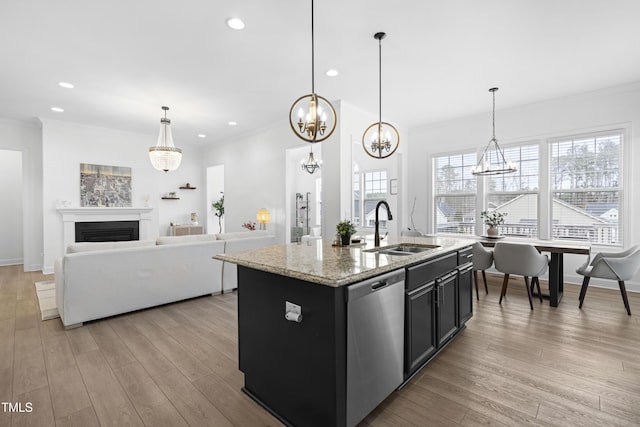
x: 127, y: 58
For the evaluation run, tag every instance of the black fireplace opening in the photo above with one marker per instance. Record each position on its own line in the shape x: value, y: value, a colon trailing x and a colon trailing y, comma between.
x: 107, y: 231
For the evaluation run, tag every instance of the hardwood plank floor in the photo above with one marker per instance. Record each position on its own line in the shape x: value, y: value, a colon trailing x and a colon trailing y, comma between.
x: 177, y: 365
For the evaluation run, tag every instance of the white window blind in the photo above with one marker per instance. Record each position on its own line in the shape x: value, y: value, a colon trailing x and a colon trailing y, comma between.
x: 586, y: 183
x: 455, y: 193
x: 516, y: 194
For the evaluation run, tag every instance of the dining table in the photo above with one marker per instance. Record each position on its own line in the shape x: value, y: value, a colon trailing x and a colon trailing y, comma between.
x: 557, y: 249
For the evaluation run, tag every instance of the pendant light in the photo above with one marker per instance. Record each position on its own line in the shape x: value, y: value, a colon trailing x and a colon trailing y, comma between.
x: 312, y: 117
x: 165, y: 156
x: 381, y: 139
x: 311, y: 164
x: 492, y: 161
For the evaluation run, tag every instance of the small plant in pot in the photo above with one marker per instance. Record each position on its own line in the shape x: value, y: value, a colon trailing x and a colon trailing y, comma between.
x: 493, y: 219
x: 345, y: 229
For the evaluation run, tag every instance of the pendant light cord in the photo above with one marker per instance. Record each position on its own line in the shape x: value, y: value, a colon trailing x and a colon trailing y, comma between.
x: 313, y: 90
x: 493, y: 122
x: 380, y: 81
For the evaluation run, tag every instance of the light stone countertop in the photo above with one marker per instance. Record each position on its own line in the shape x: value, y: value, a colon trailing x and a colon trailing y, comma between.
x: 319, y: 262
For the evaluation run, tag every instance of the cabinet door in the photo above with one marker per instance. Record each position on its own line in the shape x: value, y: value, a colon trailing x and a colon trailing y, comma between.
x: 465, y: 294
x: 447, y: 302
x: 420, y: 342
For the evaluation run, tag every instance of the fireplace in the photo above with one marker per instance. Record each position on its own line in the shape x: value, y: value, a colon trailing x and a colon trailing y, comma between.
x: 107, y: 231
x: 73, y: 216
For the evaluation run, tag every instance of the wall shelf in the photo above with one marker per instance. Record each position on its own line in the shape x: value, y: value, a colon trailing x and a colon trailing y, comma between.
x: 171, y: 198
x: 187, y: 188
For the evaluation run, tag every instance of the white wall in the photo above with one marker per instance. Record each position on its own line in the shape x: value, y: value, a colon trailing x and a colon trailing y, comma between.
x: 254, y: 176
x: 11, y: 224
x: 66, y: 145
x: 606, y: 109
x: 26, y: 138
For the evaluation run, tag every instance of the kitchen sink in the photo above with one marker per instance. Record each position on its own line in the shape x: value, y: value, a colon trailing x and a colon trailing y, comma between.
x: 403, y: 249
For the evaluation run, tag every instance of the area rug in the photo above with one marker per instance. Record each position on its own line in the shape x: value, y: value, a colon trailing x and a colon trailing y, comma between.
x: 46, y: 292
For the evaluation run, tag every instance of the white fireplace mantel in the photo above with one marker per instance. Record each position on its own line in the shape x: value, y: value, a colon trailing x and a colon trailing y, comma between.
x: 72, y: 215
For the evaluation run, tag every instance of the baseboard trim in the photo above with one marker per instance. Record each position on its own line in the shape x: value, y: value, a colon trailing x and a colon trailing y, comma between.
x: 11, y: 261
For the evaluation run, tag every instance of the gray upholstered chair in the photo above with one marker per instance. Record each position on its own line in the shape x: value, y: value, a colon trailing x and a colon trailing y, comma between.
x: 620, y: 266
x: 523, y: 260
x: 482, y: 259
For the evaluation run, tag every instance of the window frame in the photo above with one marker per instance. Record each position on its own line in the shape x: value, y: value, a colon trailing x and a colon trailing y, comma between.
x: 545, y: 191
x: 435, y: 194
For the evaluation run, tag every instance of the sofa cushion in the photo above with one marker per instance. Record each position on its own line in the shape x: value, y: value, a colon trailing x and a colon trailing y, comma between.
x: 241, y: 235
x: 171, y: 240
x: 74, y: 248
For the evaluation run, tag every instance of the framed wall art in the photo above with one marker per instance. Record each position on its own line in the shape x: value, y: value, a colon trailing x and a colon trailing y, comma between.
x: 105, y: 186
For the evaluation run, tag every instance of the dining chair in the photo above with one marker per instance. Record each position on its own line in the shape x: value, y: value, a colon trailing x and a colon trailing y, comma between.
x: 523, y: 260
x: 482, y: 259
x: 620, y: 266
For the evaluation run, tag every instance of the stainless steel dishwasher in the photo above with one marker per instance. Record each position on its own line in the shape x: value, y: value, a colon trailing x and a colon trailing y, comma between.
x: 375, y: 342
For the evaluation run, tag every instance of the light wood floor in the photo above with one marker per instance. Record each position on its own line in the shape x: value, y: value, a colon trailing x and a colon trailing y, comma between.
x: 176, y: 365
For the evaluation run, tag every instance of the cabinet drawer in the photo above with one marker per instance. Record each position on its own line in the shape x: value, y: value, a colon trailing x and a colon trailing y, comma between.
x: 430, y: 270
x: 465, y: 255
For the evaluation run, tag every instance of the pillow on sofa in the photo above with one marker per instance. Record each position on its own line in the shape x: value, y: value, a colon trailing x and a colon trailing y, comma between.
x: 75, y: 248
x: 241, y: 235
x: 170, y: 240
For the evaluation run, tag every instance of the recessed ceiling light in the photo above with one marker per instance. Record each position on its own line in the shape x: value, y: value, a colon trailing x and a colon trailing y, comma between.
x: 235, y: 23
x: 202, y: 135
x: 57, y: 109
x: 332, y: 72
x: 66, y: 85
x: 233, y: 123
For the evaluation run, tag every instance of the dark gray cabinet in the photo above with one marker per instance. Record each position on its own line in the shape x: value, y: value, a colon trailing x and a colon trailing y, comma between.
x: 438, y: 303
x: 420, y: 333
x: 465, y: 293
x: 447, y: 306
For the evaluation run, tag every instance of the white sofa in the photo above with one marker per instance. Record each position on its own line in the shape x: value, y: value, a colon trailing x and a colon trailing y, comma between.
x: 96, y: 280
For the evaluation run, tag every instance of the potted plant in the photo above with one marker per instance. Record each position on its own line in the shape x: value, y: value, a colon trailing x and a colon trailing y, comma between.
x: 493, y: 219
x: 345, y: 229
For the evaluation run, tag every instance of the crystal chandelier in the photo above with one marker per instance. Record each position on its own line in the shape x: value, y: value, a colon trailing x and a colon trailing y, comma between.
x: 165, y: 156
x: 381, y: 139
x: 492, y: 161
x: 311, y: 164
x: 312, y: 117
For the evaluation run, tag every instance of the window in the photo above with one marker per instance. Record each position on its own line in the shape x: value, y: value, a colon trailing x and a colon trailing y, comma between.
x: 375, y: 185
x: 455, y: 193
x: 569, y: 187
x: 516, y: 194
x: 586, y: 184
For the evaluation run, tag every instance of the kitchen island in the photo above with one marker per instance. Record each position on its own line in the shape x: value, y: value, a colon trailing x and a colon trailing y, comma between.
x: 326, y: 333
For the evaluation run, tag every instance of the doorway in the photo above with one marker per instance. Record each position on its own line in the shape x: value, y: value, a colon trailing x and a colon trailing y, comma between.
x: 11, y: 218
x: 303, y: 204
x: 215, y: 194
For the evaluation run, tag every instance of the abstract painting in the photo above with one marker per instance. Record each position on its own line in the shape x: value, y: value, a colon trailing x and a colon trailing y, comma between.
x: 105, y: 186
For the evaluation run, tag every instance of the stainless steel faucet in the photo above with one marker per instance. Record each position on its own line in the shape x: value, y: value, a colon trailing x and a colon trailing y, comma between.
x: 376, y: 237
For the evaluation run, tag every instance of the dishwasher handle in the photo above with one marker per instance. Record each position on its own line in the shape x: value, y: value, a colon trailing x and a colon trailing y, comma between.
x: 375, y: 284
